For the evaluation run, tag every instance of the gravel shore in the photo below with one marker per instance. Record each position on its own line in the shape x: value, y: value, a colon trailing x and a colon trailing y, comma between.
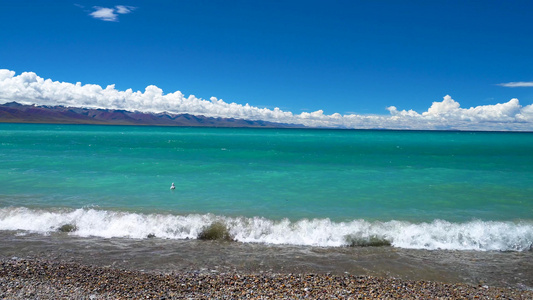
x: 41, y: 279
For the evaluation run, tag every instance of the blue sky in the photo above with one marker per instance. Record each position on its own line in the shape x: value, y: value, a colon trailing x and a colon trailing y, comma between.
x: 347, y: 57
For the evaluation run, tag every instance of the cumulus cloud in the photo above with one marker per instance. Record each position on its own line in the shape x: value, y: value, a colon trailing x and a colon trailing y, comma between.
x: 110, y: 14
x: 29, y: 88
x: 517, y: 84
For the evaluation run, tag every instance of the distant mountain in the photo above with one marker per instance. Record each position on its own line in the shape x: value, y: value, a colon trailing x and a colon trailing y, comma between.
x: 14, y: 112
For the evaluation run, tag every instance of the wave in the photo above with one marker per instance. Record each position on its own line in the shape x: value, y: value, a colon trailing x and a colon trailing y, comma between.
x: 439, y: 234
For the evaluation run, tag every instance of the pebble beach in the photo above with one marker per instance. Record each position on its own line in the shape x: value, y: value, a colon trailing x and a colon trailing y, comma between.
x: 44, y: 279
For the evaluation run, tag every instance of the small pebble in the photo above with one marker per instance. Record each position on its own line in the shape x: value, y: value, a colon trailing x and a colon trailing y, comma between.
x: 41, y: 279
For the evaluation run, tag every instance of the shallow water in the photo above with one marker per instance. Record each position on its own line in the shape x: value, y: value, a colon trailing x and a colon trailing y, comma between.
x: 505, y: 269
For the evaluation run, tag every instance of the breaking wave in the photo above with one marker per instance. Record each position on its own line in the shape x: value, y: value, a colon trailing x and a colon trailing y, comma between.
x: 439, y: 234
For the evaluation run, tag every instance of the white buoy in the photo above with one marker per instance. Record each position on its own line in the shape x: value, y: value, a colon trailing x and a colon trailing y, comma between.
x: 172, y: 186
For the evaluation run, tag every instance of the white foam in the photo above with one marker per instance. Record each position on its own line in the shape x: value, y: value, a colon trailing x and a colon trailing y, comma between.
x: 474, y: 235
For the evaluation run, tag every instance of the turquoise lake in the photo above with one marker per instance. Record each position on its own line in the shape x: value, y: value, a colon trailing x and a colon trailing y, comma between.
x: 414, y: 189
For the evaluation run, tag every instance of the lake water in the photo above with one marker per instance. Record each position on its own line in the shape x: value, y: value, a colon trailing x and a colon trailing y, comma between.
x: 441, y: 192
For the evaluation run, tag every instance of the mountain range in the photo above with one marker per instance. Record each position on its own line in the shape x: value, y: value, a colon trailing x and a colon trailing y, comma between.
x: 14, y: 112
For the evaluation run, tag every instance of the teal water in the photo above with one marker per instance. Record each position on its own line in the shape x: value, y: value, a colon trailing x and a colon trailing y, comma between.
x: 277, y: 175
x: 342, y: 175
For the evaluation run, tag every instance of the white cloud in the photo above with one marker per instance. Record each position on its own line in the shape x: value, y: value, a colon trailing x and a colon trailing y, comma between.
x: 28, y: 88
x: 123, y: 9
x: 446, y: 107
x: 517, y: 84
x: 104, y: 13
x: 110, y: 14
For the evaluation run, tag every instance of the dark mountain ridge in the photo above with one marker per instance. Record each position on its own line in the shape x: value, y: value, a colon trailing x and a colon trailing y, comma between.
x: 14, y: 112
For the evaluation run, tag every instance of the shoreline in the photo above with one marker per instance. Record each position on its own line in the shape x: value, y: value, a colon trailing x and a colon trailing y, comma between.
x: 164, y: 256
x: 53, y: 279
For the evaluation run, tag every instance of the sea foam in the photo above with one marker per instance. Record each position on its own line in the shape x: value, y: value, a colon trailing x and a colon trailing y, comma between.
x: 474, y: 235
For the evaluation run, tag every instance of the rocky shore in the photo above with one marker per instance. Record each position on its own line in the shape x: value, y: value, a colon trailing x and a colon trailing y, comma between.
x: 41, y: 279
